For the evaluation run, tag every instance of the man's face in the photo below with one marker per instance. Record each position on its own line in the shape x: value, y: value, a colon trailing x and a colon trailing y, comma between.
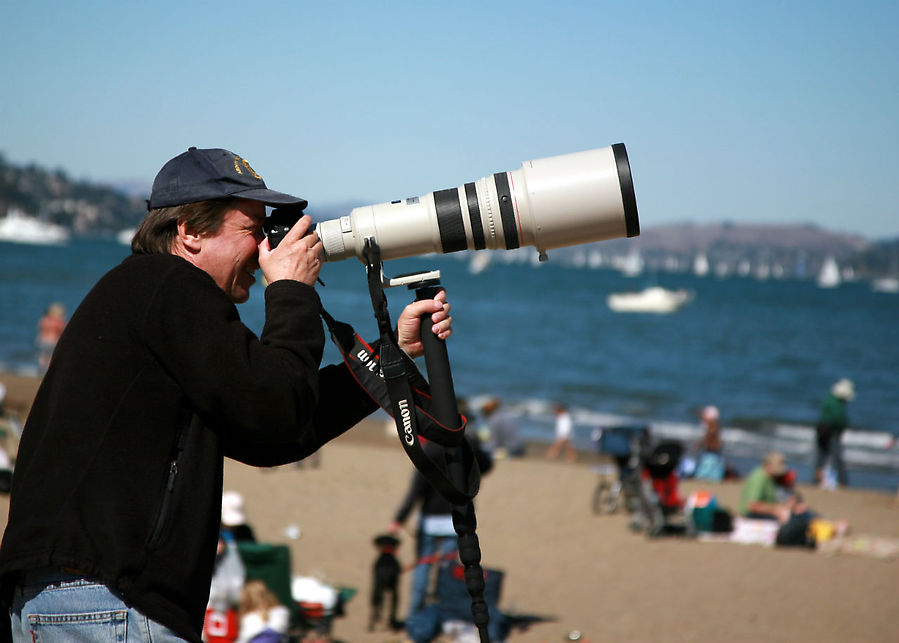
x: 231, y: 255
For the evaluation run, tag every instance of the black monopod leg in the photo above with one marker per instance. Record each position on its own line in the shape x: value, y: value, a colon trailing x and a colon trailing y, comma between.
x: 446, y: 411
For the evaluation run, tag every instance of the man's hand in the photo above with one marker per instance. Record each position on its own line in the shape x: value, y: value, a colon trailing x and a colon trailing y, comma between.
x: 408, y: 327
x: 297, y: 257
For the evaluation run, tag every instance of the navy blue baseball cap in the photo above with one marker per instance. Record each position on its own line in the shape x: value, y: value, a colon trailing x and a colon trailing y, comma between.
x: 201, y: 175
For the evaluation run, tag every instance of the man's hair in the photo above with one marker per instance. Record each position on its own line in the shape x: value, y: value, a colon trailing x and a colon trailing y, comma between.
x: 157, y: 232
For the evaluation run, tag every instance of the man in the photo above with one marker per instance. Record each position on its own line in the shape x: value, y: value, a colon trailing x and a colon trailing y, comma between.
x: 759, y: 498
x: 118, y: 486
x: 435, y: 537
x: 833, y: 421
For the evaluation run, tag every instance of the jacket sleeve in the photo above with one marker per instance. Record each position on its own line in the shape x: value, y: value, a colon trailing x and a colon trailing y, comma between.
x: 261, y: 395
x: 414, y: 495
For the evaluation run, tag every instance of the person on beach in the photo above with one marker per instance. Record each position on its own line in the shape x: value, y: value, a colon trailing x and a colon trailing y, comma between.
x: 49, y: 330
x: 263, y: 619
x: 118, y: 486
x: 711, y: 436
x: 711, y: 464
x: 759, y: 498
x: 829, y: 431
x: 563, y: 432
x: 435, y: 536
x: 504, y: 439
x: 234, y: 518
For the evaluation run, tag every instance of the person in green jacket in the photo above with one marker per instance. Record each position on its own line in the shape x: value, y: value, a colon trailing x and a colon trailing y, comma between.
x: 831, y: 424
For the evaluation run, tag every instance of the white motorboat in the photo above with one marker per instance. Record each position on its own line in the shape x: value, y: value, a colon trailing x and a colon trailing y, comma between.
x: 125, y: 236
x: 885, y: 284
x: 654, y: 299
x: 18, y: 227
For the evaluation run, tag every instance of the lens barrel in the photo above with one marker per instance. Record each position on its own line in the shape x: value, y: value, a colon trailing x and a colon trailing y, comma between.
x: 549, y: 203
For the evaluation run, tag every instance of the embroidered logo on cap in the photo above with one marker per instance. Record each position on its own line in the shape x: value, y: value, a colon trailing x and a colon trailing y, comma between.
x: 238, y: 161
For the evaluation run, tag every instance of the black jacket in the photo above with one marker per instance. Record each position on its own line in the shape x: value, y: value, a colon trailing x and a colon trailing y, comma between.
x: 119, y: 470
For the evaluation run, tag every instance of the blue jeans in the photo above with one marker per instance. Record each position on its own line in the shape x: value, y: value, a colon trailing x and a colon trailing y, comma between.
x: 428, y: 546
x: 51, y: 605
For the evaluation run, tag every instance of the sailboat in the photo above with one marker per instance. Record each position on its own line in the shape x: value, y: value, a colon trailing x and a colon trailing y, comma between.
x: 479, y: 262
x: 700, y: 265
x: 829, y: 276
x: 632, y: 265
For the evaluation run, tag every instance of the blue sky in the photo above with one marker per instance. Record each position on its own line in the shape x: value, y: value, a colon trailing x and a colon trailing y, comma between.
x: 746, y: 112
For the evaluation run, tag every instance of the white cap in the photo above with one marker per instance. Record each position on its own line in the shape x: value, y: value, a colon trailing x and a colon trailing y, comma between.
x: 710, y: 413
x: 232, y: 509
x: 844, y: 389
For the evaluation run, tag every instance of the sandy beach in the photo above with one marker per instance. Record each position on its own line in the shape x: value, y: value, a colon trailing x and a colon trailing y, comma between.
x: 578, y: 570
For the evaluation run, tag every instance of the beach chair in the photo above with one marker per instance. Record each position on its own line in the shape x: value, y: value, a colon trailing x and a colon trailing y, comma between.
x: 271, y: 564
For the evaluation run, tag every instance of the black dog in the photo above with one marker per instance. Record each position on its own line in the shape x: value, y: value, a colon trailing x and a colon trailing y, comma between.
x: 386, y: 580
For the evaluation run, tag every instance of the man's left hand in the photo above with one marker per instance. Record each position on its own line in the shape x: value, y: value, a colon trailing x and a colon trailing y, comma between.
x: 408, y: 327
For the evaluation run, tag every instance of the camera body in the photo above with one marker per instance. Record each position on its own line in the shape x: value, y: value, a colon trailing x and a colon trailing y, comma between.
x: 279, y: 223
x: 548, y: 203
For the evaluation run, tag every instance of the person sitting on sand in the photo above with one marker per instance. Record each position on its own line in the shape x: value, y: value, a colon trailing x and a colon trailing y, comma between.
x: 263, y: 619
x: 759, y: 498
x: 234, y: 518
x: 711, y: 437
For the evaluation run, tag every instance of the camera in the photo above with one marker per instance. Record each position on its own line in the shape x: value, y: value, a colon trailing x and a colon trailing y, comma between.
x: 279, y: 223
x: 548, y: 203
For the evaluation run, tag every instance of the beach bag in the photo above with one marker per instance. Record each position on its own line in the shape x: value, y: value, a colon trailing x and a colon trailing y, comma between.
x: 707, y: 516
x: 722, y: 521
x: 796, y: 532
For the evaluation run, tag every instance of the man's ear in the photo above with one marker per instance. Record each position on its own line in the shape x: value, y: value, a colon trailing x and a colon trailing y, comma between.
x: 188, y: 237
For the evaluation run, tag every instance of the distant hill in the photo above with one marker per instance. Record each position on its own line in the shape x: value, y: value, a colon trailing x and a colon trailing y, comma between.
x: 796, y: 250
x: 85, y: 208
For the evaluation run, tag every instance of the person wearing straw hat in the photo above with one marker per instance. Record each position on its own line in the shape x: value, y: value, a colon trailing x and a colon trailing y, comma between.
x: 831, y: 424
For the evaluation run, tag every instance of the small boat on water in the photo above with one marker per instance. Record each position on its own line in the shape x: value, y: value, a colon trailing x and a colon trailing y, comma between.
x: 479, y: 262
x: 18, y: 227
x: 829, y: 276
x: 885, y: 284
x: 125, y: 236
x: 654, y: 299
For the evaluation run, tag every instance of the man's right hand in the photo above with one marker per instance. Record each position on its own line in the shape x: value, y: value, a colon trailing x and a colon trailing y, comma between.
x: 297, y: 257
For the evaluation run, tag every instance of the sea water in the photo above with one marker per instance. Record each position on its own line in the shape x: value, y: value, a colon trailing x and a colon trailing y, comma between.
x: 764, y: 352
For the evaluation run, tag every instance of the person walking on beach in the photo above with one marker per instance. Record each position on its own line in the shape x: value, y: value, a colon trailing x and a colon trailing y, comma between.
x: 49, y: 330
x: 118, y: 485
x: 829, y: 431
x: 563, y: 433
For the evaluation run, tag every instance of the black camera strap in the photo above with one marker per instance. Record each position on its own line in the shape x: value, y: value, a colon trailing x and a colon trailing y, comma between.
x: 391, y: 378
x: 394, y: 382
